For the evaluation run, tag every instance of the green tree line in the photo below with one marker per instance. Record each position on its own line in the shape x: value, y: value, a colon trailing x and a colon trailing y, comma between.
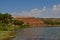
x: 49, y: 22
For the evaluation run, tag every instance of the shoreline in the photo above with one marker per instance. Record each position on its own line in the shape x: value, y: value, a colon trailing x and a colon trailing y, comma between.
x: 45, y: 26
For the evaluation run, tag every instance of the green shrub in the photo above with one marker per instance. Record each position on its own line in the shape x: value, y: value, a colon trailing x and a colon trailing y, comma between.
x: 17, y: 22
x: 25, y: 26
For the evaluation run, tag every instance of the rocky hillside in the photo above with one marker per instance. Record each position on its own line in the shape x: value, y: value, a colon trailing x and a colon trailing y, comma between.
x: 32, y: 21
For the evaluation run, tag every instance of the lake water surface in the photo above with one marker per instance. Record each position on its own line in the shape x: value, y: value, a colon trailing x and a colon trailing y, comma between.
x: 48, y: 33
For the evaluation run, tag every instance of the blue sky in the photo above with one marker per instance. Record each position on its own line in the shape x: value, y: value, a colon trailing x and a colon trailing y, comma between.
x: 24, y: 7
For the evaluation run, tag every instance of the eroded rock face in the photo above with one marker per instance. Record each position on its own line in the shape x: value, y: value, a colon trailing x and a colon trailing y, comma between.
x: 34, y: 22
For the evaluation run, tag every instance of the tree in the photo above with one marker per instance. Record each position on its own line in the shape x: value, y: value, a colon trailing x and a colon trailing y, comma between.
x: 1, y: 17
x: 7, y: 18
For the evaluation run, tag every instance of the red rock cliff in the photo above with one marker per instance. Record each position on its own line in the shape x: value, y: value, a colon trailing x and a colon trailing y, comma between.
x: 31, y: 20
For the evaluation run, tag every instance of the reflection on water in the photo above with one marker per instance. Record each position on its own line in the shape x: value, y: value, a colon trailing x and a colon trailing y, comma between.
x: 48, y: 33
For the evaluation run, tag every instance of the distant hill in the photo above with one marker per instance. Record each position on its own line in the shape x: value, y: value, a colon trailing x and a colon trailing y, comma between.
x: 39, y: 21
x: 32, y: 21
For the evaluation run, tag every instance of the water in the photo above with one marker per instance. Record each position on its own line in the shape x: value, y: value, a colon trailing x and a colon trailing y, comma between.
x: 48, y: 33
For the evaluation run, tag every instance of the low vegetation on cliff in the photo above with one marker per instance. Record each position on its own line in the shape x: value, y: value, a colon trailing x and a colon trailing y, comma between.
x: 52, y: 21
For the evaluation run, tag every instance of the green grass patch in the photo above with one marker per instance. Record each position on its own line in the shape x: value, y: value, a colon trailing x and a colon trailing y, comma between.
x: 6, y: 35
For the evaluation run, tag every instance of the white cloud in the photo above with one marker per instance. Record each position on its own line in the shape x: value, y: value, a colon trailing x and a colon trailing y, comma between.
x: 54, y: 7
x: 36, y: 12
x: 44, y: 8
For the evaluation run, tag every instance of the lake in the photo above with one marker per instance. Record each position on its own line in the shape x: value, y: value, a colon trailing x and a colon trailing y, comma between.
x: 47, y: 33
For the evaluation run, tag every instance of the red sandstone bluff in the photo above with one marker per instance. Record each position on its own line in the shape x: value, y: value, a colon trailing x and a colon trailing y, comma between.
x: 32, y: 21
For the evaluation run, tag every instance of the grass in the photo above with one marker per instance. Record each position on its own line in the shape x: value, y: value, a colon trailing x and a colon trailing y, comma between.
x: 7, y: 31
x: 5, y: 27
x: 6, y: 35
x: 24, y: 26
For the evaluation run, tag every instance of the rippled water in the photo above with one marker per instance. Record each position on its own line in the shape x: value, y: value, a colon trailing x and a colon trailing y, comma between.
x: 48, y: 33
